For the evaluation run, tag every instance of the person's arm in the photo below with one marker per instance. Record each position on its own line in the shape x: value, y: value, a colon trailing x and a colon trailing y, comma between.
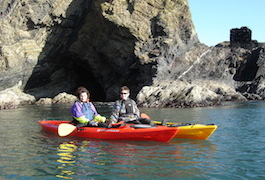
x: 115, y: 113
x: 93, y: 108
x: 136, y: 109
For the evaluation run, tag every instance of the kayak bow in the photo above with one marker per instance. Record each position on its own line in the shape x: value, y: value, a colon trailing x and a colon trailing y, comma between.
x: 192, y: 131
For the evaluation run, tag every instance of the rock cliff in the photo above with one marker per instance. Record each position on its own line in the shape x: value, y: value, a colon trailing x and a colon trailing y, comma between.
x: 49, y: 47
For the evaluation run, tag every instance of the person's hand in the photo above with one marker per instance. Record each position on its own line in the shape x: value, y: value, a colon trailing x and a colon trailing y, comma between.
x: 93, y: 123
x: 99, y: 118
x: 127, y: 119
x: 82, y: 120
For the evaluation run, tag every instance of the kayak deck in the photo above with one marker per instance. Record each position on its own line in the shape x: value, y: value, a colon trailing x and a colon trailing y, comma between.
x: 126, y: 132
x: 193, y: 131
x: 196, y: 131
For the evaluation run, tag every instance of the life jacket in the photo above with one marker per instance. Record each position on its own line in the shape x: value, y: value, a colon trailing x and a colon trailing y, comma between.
x: 129, y: 107
x: 86, y: 110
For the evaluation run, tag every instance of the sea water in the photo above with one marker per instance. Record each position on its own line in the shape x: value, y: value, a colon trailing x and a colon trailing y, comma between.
x: 235, y: 151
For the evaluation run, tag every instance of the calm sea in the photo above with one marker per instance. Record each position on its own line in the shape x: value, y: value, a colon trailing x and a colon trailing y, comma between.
x: 235, y: 151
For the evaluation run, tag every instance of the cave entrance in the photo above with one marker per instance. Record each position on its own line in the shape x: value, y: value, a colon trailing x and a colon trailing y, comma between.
x: 87, y: 79
x: 247, y: 71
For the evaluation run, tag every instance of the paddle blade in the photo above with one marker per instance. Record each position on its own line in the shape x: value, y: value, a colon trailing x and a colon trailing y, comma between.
x: 65, y: 129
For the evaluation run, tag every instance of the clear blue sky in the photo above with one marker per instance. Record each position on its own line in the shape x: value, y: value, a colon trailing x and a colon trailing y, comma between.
x: 213, y: 19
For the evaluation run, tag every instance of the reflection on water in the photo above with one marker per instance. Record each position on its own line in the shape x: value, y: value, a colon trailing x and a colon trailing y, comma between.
x: 234, y: 151
x: 133, y: 159
x: 67, y: 158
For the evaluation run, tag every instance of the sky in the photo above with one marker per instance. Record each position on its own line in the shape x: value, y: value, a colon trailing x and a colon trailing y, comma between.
x: 213, y: 19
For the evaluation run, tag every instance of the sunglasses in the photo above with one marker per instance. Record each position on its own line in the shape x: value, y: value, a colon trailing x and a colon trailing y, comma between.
x: 124, y: 93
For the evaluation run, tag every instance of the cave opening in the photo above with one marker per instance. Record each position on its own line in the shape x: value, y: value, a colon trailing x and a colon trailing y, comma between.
x: 247, y: 71
x: 85, y: 78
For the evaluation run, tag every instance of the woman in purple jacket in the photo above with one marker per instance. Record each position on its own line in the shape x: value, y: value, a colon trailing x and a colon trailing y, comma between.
x: 84, y: 112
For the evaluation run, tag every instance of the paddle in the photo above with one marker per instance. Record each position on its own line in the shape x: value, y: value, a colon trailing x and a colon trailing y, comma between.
x: 65, y: 129
x: 145, y: 116
x: 116, y: 125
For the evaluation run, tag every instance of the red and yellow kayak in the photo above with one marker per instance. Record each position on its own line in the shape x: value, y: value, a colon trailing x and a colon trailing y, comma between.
x: 125, y: 132
x: 193, y: 131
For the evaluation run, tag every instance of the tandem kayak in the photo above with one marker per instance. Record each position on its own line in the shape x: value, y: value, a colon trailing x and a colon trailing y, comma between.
x: 125, y: 132
x: 192, y: 131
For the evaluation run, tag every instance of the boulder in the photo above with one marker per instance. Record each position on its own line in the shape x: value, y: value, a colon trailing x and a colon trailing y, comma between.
x: 44, y: 101
x: 13, y: 97
x: 64, y: 98
x: 185, y: 94
x: 8, y: 100
x: 61, y: 98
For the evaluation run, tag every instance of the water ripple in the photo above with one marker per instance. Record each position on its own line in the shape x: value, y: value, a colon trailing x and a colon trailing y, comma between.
x: 235, y: 151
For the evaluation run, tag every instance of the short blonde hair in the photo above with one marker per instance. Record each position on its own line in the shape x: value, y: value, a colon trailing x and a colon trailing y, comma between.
x: 124, y: 88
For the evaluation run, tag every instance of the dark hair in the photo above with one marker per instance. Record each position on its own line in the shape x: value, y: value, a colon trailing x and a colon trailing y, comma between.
x: 82, y: 89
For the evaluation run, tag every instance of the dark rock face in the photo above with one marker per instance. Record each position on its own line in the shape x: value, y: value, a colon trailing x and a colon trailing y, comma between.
x: 150, y: 46
x: 35, y: 38
x: 98, y: 44
x: 54, y: 71
x: 105, y: 60
x: 253, y: 88
x: 117, y: 52
x: 247, y: 69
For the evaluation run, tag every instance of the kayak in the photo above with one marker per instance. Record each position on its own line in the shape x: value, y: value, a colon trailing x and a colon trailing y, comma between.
x: 192, y: 131
x: 187, y: 130
x: 137, y: 132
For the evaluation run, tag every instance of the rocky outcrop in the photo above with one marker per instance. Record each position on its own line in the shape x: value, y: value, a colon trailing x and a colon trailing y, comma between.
x: 253, y: 90
x: 185, y: 94
x: 34, y: 38
x: 13, y: 97
x: 99, y: 44
x: 208, y: 81
x: 130, y: 42
x: 250, y: 72
x: 226, y: 72
x: 62, y: 98
x: 151, y: 46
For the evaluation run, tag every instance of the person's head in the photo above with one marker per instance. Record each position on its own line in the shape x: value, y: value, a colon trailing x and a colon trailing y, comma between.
x: 124, y: 92
x: 83, y: 94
